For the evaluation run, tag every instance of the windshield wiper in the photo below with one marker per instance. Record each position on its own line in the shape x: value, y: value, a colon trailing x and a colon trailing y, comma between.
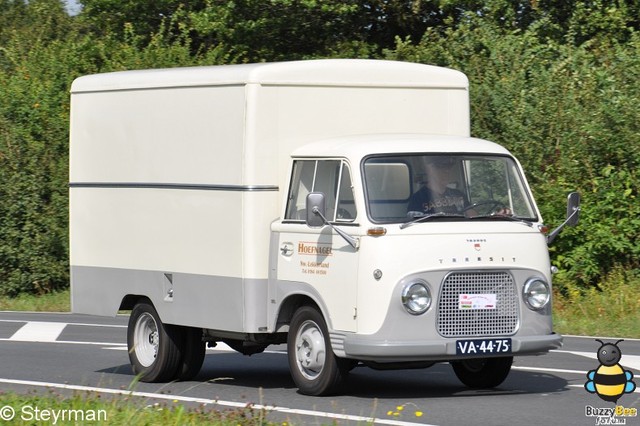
x: 504, y: 217
x: 430, y: 216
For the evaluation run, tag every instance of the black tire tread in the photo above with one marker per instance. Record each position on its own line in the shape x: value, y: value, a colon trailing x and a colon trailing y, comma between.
x: 193, y: 352
x: 334, y: 370
x: 169, y: 356
x: 492, y: 374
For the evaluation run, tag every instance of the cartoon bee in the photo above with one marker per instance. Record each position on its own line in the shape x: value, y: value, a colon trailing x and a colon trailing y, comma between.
x: 610, y: 381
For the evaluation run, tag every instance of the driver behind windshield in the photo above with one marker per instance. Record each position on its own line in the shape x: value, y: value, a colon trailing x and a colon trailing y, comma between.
x: 436, y: 196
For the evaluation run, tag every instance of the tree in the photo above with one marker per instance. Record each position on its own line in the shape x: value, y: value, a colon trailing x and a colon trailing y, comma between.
x: 36, y: 19
x: 107, y: 17
x: 555, y: 82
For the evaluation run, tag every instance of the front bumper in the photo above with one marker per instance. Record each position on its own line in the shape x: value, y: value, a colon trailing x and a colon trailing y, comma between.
x: 368, y: 348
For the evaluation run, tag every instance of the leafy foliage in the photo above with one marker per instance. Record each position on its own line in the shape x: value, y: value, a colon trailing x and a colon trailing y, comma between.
x: 567, y: 113
x: 555, y: 82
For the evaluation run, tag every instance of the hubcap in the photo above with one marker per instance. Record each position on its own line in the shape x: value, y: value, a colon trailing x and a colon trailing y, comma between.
x: 146, y: 339
x: 310, y: 350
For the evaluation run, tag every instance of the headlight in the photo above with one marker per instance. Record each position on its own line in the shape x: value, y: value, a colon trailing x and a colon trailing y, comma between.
x: 536, y: 293
x: 416, y: 297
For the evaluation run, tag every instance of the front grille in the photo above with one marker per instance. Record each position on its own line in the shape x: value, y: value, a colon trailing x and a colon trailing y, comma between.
x: 453, y: 321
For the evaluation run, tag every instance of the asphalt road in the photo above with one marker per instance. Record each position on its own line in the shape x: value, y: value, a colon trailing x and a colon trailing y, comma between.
x: 68, y: 352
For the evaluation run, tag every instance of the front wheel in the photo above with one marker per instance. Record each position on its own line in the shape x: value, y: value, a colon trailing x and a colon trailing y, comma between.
x: 154, y: 348
x: 314, y: 368
x: 483, y: 373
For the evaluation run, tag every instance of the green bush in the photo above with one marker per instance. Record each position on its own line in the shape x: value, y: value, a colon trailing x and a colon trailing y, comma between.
x: 555, y: 84
x: 568, y: 113
x: 36, y: 75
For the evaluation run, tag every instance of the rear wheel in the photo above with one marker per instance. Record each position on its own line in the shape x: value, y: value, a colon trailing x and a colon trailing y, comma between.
x: 483, y: 373
x: 314, y: 368
x: 193, y: 351
x: 154, y: 348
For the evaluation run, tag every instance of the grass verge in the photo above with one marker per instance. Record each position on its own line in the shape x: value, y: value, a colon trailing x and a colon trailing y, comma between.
x: 611, y: 309
x: 58, y: 301
x: 90, y: 408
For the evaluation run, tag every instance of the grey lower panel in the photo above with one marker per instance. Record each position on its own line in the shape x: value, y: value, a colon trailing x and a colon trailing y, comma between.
x: 406, y: 338
x: 213, y: 302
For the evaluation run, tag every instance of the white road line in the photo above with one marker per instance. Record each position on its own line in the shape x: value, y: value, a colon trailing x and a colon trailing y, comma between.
x: 602, y: 338
x: 48, y: 332
x: 37, y: 331
x: 84, y: 324
x: 628, y: 361
x: 234, y: 404
x: 220, y: 347
x: 110, y: 345
x: 549, y: 370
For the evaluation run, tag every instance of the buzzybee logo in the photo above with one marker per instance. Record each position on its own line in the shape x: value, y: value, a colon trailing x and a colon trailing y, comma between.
x: 609, y: 381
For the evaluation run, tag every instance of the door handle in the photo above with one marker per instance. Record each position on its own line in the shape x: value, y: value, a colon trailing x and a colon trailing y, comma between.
x: 286, y: 249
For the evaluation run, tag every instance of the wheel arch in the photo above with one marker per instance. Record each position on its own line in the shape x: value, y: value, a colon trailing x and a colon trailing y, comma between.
x: 291, y: 303
x: 130, y: 300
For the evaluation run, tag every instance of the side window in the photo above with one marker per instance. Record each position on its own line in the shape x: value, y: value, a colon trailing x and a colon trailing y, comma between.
x: 346, y: 210
x: 332, y: 178
x: 388, y: 183
x: 301, y: 185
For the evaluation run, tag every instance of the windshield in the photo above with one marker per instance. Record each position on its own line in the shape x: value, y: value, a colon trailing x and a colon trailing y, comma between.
x: 403, y: 188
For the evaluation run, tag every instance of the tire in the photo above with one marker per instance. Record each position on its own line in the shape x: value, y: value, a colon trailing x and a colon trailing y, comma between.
x: 154, y: 348
x: 483, y: 373
x: 193, y: 351
x: 314, y: 368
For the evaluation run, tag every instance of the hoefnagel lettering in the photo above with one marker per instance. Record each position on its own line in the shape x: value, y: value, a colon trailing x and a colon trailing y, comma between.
x: 306, y: 248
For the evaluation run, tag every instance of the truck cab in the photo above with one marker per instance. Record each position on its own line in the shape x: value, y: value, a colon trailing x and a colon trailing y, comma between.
x: 428, y: 248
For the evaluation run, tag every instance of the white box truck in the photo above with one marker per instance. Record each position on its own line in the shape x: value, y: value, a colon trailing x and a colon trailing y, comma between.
x: 338, y: 206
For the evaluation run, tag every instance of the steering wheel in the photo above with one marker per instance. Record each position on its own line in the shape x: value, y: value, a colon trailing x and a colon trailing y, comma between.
x: 343, y: 214
x: 494, y: 206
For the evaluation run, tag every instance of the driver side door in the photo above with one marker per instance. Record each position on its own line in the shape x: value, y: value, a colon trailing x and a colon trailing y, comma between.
x: 318, y: 260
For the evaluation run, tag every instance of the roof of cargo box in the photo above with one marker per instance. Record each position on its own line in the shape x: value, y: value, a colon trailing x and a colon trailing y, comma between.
x: 359, y: 146
x: 322, y: 72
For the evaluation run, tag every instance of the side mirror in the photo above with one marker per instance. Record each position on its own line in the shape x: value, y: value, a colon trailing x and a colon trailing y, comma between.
x: 573, y: 209
x: 315, y: 210
x: 573, y: 215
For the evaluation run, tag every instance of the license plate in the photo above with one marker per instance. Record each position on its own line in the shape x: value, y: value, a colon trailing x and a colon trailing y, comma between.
x: 483, y: 347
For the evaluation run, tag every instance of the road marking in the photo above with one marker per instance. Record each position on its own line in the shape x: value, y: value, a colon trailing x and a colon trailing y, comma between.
x: 548, y: 370
x: 37, y: 331
x: 84, y: 324
x: 48, y: 332
x: 111, y: 345
x: 220, y: 347
x: 602, y: 338
x: 234, y: 404
x: 629, y: 361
